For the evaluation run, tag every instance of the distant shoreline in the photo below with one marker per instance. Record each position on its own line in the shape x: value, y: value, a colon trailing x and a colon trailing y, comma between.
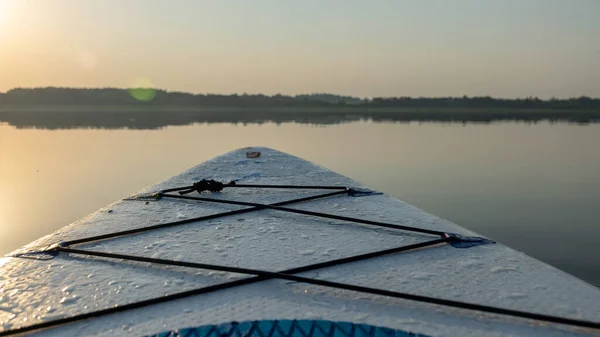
x: 157, y: 98
x: 290, y: 109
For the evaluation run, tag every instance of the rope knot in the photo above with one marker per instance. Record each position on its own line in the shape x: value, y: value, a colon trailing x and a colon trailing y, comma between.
x: 206, y: 185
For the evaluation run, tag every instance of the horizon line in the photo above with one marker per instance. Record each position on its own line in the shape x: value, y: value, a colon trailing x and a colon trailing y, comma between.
x: 296, y: 95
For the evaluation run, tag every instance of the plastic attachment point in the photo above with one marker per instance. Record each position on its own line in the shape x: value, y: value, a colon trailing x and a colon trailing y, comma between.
x: 460, y: 241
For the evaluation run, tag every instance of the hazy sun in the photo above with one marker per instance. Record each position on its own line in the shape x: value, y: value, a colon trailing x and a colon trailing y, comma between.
x: 5, y: 9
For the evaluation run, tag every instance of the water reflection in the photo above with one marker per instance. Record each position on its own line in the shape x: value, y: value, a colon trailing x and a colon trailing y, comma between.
x: 535, y: 188
x: 97, y: 118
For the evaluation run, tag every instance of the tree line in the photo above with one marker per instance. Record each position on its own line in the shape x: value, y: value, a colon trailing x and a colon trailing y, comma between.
x: 153, y: 97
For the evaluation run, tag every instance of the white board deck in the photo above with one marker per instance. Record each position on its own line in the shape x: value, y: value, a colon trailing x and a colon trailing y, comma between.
x: 33, y: 291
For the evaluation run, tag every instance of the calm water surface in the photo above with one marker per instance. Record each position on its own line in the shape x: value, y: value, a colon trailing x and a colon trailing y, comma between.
x: 535, y: 188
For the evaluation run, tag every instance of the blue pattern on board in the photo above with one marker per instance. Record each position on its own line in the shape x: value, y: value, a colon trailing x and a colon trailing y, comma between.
x: 287, y: 328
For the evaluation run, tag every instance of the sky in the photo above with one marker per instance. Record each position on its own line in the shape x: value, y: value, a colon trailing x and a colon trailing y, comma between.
x: 502, y: 48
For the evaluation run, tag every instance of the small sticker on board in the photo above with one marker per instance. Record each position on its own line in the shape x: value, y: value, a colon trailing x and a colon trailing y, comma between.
x: 252, y: 154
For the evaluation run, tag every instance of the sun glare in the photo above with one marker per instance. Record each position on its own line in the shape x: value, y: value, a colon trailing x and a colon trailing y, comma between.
x: 5, y: 10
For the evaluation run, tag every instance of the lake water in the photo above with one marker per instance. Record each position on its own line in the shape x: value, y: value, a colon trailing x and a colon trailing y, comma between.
x: 534, y: 187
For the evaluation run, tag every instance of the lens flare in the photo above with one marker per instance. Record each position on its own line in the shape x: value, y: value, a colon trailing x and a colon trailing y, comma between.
x: 142, y: 90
